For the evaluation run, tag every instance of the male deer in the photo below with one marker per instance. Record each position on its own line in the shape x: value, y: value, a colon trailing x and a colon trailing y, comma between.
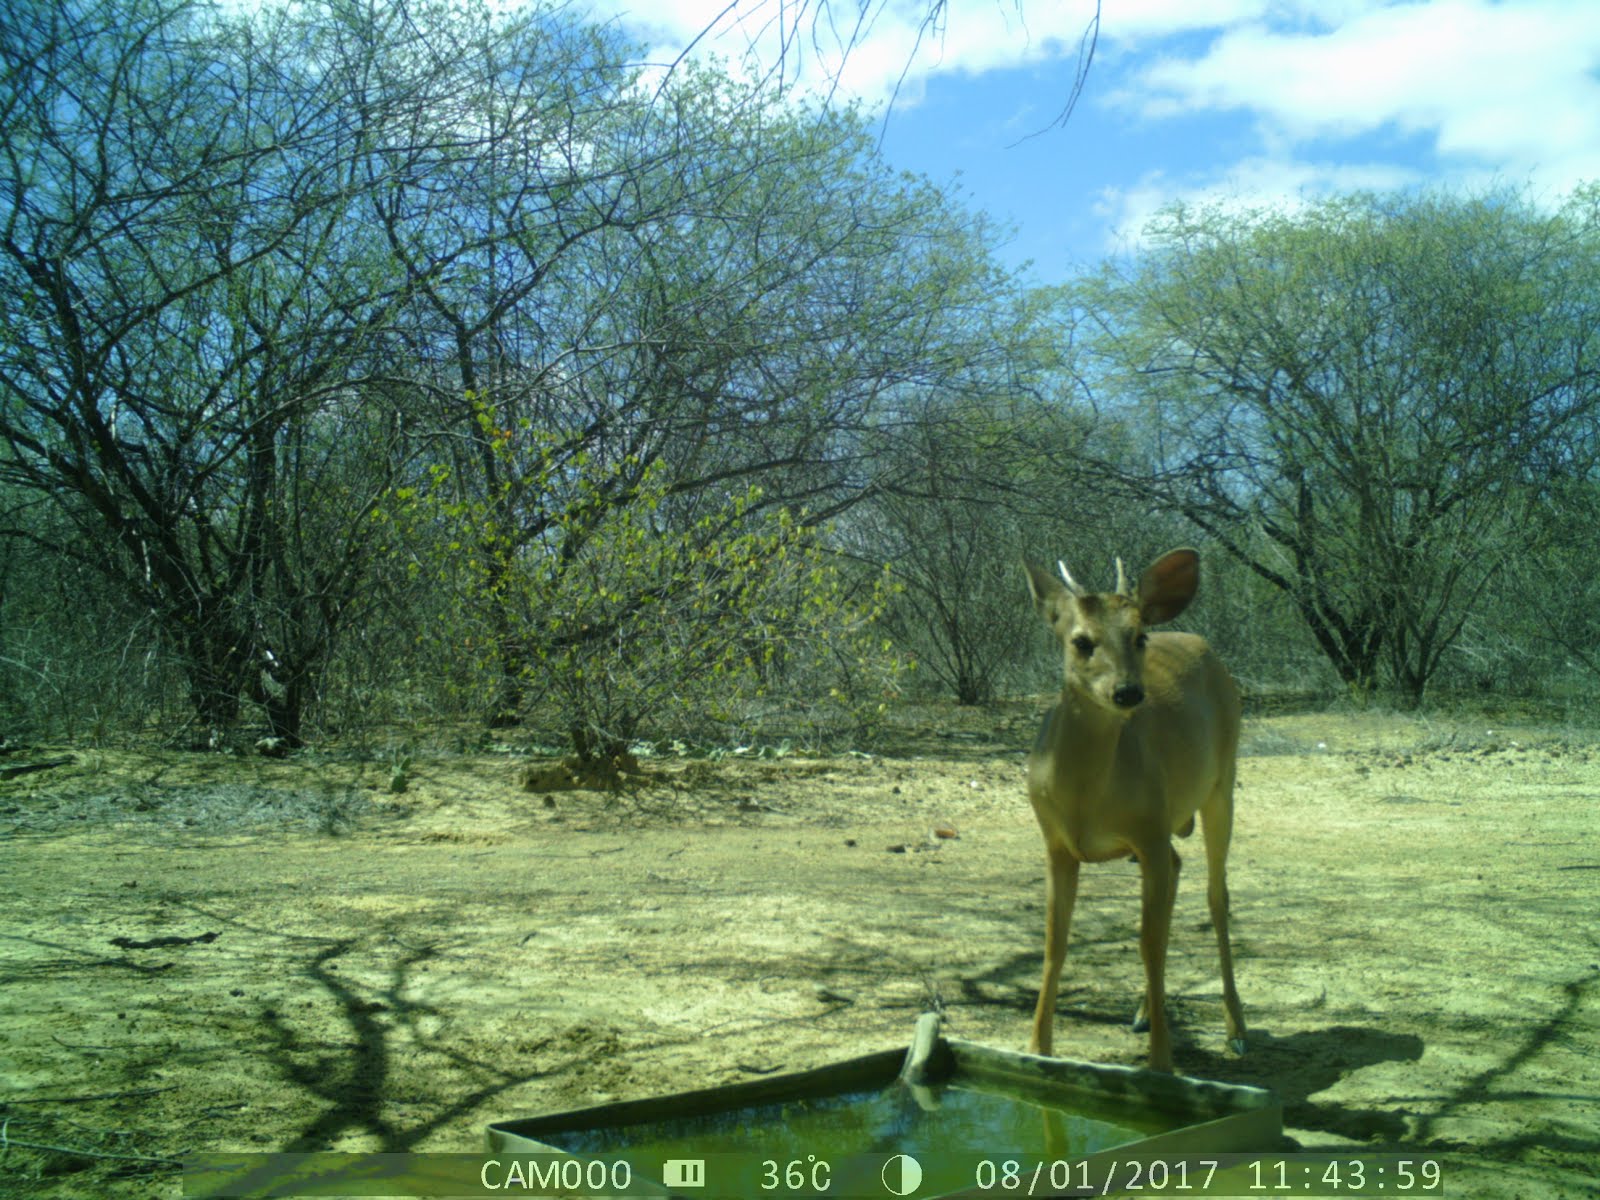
x: 1144, y: 736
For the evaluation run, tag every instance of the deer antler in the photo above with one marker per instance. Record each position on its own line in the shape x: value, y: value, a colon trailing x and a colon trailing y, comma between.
x: 1066, y: 577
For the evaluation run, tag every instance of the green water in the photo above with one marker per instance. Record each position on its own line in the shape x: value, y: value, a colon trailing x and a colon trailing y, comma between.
x: 967, y: 1124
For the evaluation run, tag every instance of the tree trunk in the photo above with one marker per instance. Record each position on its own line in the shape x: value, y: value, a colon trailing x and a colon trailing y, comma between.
x: 284, y: 702
x: 214, y: 664
x: 510, y: 688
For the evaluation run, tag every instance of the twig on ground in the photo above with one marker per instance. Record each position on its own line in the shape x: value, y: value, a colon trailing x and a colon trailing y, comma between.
x: 171, y: 1087
x: 6, y: 1142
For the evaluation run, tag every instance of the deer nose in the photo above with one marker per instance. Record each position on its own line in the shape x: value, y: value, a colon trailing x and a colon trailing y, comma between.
x: 1128, y: 695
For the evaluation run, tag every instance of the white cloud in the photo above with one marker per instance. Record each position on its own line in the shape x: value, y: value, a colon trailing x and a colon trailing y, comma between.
x: 1500, y: 93
x: 1512, y: 86
x: 1279, y: 184
x: 891, y: 38
x: 1140, y: 20
x: 1335, y: 94
x: 893, y: 47
x: 1513, y: 83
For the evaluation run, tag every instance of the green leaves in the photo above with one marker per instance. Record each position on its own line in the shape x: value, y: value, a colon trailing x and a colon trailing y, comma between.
x: 315, y: 310
x: 1360, y: 400
x: 625, y: 622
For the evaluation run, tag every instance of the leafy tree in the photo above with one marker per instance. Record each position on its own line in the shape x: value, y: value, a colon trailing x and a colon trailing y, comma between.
x: 1366, y: 401
x: 75, y: 655
x: 971, y: 491
x: 1539, y: 627
x: 717, y: 292
x: 253, y: 265
x: 637, y: 623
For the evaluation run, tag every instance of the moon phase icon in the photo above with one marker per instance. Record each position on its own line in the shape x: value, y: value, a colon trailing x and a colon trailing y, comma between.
x: 902, y: 1174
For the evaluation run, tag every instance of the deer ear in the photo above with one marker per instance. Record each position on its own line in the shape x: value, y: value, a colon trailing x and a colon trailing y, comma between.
x: 1047, y: 591
x: 1168, y: 585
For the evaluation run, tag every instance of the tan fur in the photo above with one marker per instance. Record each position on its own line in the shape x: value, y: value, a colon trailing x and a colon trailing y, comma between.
x: 1143, y: 738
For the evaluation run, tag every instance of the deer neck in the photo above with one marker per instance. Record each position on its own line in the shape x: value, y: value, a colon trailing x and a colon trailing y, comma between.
x: 1087, y: 735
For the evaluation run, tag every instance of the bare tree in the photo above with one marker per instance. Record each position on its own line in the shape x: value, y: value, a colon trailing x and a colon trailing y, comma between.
x: 1367, y: 403
x: 190, y: 327
x: 250, y: 265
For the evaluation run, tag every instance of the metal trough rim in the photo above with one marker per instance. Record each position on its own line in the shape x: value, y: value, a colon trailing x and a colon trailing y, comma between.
x: 1231, y: 1117
x: 864, y: 1071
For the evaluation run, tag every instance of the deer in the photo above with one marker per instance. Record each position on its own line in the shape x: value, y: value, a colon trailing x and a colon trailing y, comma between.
x: 1144, y: 737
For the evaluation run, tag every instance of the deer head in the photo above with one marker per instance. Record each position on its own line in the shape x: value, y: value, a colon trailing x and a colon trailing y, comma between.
x: 1102, y: 634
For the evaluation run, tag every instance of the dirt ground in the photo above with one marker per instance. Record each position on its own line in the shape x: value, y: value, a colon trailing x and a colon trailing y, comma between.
x: 1415, y: 907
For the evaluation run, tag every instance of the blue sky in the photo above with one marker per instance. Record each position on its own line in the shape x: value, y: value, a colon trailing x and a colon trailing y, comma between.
x: 1240, y: 102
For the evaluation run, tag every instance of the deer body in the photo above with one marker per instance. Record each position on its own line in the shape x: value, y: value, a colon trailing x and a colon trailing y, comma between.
x: 1142, y: 740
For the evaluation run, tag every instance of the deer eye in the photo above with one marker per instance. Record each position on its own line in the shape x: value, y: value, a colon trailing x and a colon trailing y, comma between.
x: 1083, y: 645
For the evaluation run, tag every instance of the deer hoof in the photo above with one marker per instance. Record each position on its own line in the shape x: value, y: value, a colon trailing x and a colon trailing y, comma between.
x: 1237, y: 1045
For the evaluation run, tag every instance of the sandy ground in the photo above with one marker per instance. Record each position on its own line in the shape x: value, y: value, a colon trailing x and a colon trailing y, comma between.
x: 1415, y: 928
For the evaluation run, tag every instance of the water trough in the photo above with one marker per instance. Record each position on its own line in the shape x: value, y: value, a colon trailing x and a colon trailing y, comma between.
x: 949, y: 1105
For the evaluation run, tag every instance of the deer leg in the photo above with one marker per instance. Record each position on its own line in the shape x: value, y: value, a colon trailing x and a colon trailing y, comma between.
x: 1061, y: 892
x: 1141, y: 1019
x: 1159, y: 885
x: 1218, y: 831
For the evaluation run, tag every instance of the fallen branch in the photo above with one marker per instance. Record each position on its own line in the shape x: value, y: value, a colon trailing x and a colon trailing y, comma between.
x: 28, y: 768
x: 157, y: 943
x: 7, y: 1141
x: 171, y: 1087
